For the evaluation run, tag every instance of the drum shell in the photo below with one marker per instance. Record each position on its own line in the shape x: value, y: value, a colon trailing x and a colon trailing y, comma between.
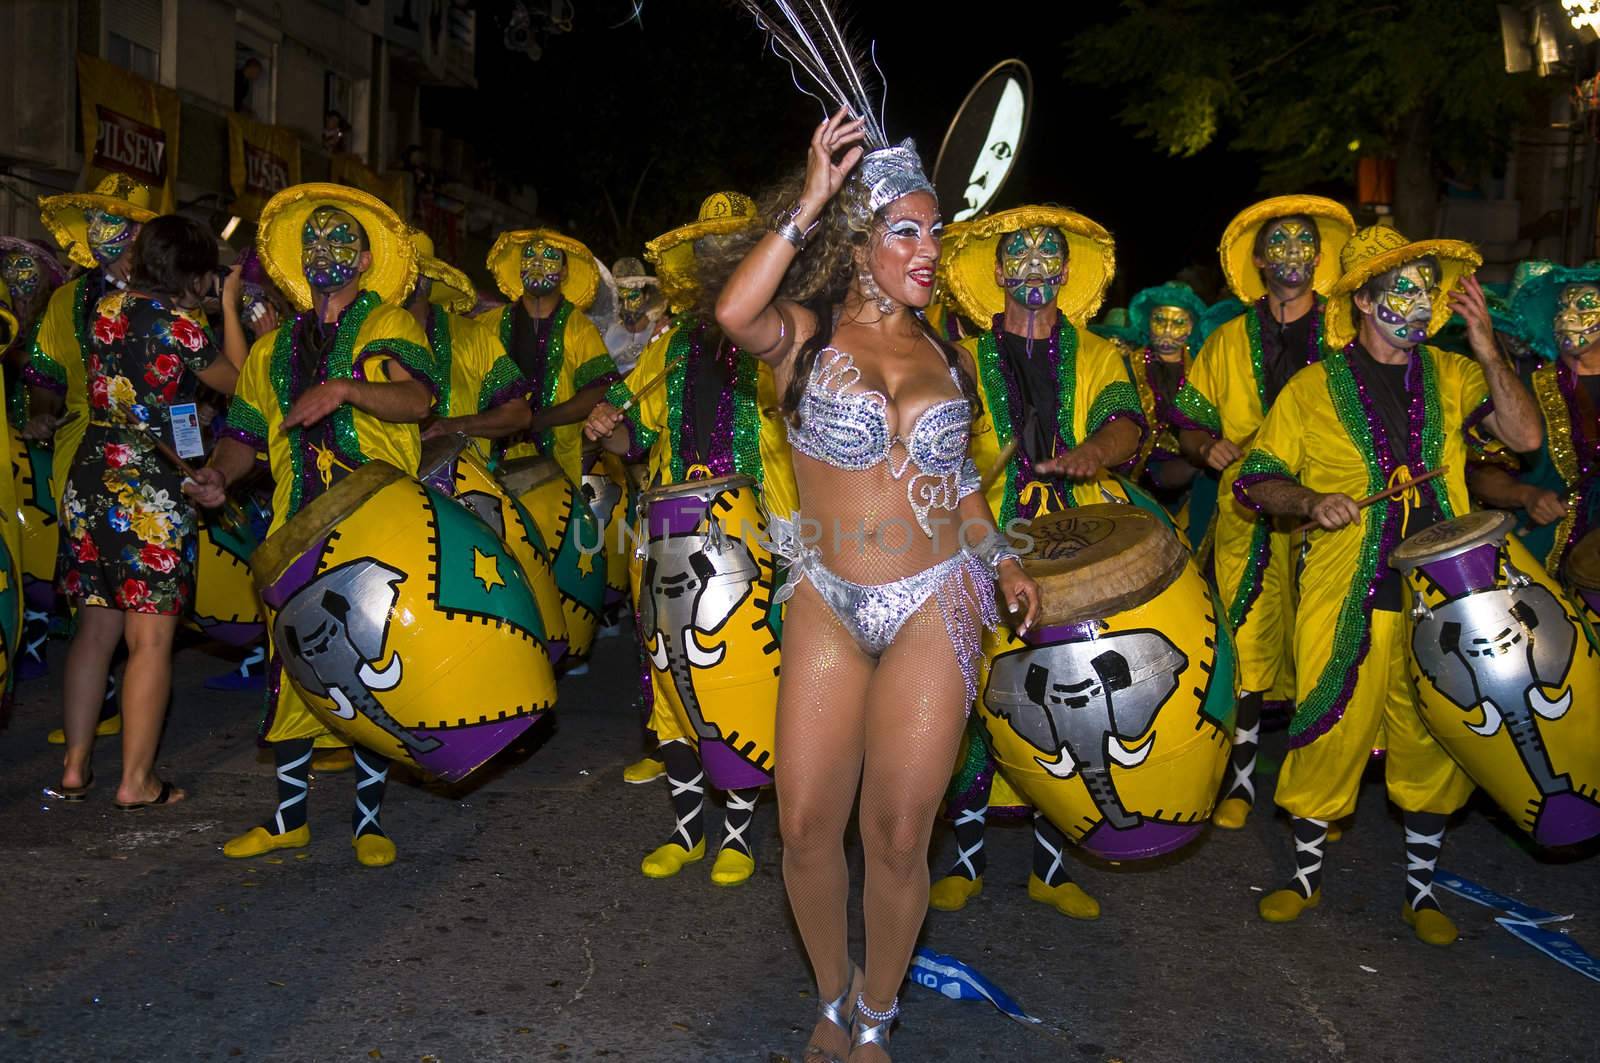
x: 1584, y: 593
x: 439, y: 630
x: 577, y: 558
x: 467, y: 479
x: 612, y: 495
x: 225, y: 604
x: 1166, y: 798
x: 38, y: 521
x: 731, y: 617
x: 1473, y: 586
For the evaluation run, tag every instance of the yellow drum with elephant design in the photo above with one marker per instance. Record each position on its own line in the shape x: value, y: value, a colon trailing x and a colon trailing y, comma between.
x: 572, y: 538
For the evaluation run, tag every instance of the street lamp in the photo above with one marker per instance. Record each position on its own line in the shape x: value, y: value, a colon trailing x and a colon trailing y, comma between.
x: 1583, y: 14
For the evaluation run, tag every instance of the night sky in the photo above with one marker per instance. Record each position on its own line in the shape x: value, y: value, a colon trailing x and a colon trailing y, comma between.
x: 694, y: 92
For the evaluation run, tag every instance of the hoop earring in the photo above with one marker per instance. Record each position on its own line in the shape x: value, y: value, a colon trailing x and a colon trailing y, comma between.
x: 870, y: 290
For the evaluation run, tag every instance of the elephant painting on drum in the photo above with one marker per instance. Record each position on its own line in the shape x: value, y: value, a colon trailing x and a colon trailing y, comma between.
x: 1496, y: 651
x: 691, y: 586
x: 332, y: 632
x: 1083, y: 701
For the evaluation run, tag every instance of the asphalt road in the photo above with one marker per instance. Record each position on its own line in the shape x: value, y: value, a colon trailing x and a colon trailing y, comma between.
x: 516, y: 926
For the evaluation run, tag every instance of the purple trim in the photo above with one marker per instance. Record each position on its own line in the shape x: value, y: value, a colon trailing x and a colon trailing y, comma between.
x: 1476, y: 570
x: 301, y: 572
x: 515, y: 389
x: 675, y: 516
x: 1242, y: 485
x: 465, y: 749
x: 1150, y: 838
x: 33, y: 378
x: 249, y: 439
x: 727, y: 770
x: 1566, y: 819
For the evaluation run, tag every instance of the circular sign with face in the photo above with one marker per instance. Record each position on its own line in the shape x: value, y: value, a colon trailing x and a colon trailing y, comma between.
x: 980, y: 147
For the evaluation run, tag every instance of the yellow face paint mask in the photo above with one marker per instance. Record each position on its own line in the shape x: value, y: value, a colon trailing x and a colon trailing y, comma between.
x: 1170, y: 329
x: 1577, y: 321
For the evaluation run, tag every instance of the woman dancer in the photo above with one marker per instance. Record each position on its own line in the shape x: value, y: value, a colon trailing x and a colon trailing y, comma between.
x: 881, y: 637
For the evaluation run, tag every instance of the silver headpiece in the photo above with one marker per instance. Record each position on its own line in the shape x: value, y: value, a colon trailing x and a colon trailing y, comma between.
x: 806, y: 35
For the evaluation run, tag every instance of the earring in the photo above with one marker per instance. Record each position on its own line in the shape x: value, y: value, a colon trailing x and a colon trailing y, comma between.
x: 871, y: 290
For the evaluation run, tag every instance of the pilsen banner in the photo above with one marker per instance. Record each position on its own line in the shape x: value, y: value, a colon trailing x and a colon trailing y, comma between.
x: 262, y: 159
x: 350, y: 170
x: 130, y: 126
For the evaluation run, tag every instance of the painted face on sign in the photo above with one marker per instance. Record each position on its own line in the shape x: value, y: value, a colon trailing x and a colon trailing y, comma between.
x: 544, y: 266
x: 1170, y: 329
x: 633, y: 303
x: 1577, y: 318
x: 1033, y: 265
x: 1404, y: 305
x: 1289, y: 252
x: 22, y: 273
x: 109, y: 235
x: 331, y: 249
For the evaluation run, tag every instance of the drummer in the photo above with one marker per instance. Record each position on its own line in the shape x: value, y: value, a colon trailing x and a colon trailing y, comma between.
x: 1280, y: 257
x: 1167, y: 322
x: 698, y: 423
x: 1557, y: 494
x: 344, y: 382
x: 1379, y: 410
x: 1032, y: 276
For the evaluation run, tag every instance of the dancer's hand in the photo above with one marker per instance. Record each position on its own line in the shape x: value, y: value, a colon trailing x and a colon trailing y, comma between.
x: 824, y: 173
x: 1020, y: 593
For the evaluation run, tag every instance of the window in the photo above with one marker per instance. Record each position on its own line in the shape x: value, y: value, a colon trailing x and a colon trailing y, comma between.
x: 133, y: 36
x: 252, y: 78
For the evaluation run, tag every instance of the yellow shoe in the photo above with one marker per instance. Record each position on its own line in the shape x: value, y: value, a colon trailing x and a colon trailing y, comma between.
x: 1335, y: 832
x: 1231, y: 814
x: 1432, y: 926
x: 731, y: 868
x: 328, y: 761
x: 373, y: 850
x: 1067, y: 898
x: 111, y: 725
x: 670, y: 858
x: 951, y: 893
x: 1285, y: 906
x: 258, y: 840
x: 645, y: 769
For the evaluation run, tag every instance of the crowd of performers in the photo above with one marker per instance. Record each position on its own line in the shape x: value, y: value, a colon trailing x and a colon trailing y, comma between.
x: 414, y: 520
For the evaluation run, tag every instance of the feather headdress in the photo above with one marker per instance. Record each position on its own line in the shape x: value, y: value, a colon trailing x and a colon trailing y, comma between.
x: 806, y: 34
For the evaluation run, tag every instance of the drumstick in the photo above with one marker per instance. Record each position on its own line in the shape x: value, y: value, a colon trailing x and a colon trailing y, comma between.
x: 1388, y: 492
x: 653, y: 383
x: 233, y: 517
x: 999, y: 466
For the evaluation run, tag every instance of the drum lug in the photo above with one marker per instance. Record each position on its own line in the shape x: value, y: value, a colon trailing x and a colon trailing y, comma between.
x: 715, y: 538
x: 1419, y: 610
x: 1516, y: 579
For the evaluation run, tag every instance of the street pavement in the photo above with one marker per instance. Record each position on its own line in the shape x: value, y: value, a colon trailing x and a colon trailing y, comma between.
x: 516, y: 925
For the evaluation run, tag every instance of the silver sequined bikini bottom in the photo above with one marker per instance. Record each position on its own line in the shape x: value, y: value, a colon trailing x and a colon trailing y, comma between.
x: 874, y: 613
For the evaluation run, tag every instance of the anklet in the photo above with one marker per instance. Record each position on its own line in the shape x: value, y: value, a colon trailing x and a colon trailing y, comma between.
x: 879, y: 1017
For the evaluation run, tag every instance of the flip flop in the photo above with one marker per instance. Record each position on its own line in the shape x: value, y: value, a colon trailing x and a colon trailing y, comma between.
x: 163, y: 798
x: 70, y: 793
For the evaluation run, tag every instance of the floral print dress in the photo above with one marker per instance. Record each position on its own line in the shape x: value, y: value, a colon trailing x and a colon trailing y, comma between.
x: 131, y: 538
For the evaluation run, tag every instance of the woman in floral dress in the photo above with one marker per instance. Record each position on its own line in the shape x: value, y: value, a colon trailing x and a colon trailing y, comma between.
x: 130, y: 540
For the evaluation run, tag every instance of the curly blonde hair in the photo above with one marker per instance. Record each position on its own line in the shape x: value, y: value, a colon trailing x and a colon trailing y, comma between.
x: 819, y: 277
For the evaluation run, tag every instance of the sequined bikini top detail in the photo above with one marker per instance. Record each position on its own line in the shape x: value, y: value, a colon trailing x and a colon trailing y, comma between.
x: 850, y: 430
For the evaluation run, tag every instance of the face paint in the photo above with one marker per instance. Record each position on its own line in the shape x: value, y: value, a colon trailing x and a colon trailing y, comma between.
x: 1405, y: 307
x: 1291, y: 252
x: 543, y: 266
x: 1577, y: 319
x: 632, y: 303
x: 1033, y: 263
x: 1170, y: 328
x: 109, y: 235
x: 22, y: 274
x: 330, y: 249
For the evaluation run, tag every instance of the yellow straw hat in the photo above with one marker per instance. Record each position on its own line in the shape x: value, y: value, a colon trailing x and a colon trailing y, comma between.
x: 116, y: 194
x: 452, y: 289
x: 583, y: 274
x: 672, y: 253
x: 1334, y: 226
x: 394, y: 259
x: 968, y: 269
x: 1376, y: 250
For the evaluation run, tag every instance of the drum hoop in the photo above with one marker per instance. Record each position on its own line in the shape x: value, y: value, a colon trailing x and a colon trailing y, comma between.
x: 319, y: 517
x: 1493, y: 532
x: 514, y: 472
x: 1177, y: 561
x: 434, y: 450
x: 715, y: 484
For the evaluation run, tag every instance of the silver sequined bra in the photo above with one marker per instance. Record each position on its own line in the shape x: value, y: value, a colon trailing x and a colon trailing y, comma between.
x: 850, y: 430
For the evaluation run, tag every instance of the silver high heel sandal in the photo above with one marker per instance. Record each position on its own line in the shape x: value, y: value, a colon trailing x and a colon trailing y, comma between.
x: 834, y: 1012
x: 878, y: 1034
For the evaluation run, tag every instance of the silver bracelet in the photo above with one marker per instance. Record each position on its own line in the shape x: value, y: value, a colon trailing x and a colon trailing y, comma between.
x: 784, y: 224
x: 994, y: 549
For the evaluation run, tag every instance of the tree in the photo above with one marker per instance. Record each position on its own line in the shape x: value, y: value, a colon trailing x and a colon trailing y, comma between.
x: 1311, y: 86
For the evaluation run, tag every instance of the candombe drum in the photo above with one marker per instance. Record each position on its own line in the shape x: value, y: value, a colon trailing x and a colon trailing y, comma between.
x: 709, y: 625
x: 1506, y: 679
x: 453, y: 466
x: 225, y: 606
x: 405, y: 623
x: 1114, y: 715
x: 612, y: 490
x: 1582, y: 572
x: 573, y: 538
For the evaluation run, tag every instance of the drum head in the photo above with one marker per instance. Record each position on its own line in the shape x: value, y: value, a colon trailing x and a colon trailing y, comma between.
x: 1452, y: 537
x: 522, y: 475
x: 698, y: 488
x: 319, y: 517
x: 1094, y: 561
x: 441, y: 451
x: 1583, y: 563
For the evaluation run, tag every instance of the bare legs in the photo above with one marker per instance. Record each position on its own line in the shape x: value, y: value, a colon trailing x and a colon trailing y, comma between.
x: 88, y: 661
